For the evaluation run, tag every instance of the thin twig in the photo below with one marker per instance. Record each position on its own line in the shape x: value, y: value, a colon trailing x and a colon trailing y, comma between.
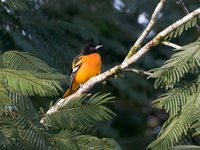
x: 138, y: 71
x: 147, y: 30
x: 180, y: 2
x: 170, y: 44
x: 125, y: 64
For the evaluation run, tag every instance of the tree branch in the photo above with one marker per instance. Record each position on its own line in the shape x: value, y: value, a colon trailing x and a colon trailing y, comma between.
x: 180, y: 2
x: 173, y: 45
x: 138, y: 71
x: 104, y: 76
x: 149, y: 27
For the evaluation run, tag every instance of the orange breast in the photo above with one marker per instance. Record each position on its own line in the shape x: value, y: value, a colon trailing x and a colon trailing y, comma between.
x: 91, y: 66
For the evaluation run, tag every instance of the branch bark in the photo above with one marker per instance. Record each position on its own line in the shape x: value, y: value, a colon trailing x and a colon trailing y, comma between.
x: 148, y: 29
x: 142, y: 72
x: 170, y: 44
x: 186, y: 11
x: 126, y: 63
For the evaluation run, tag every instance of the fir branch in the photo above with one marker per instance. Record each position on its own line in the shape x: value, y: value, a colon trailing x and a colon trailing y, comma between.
x: 24, y: 105
x: 26, y: 83
x: 185, y: 60
x: 30, y: 133
x: 174, y: 130
x: 126, y: 63
x: 176, y: 97
x: 17, y: 5
x: 84, y: 111
x: 73, y: 140
x: 13, y: 59
x: 4, y: 95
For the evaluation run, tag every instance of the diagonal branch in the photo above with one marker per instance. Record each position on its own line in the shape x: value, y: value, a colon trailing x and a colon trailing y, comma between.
x: 148, y: 29
x: 170, y: 44
x: 186, y: 11
x: 142, y: 72
x: 126, y: 63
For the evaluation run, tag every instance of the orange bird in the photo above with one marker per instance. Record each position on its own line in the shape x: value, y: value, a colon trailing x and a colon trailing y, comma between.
x: 86, y: 65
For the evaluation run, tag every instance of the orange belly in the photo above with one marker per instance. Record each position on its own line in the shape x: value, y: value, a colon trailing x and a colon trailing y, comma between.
x: 91, y: 67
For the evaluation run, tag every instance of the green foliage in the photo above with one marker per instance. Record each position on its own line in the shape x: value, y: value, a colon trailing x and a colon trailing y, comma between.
x: 23, y: 105
x: 14, y: 5
x: 30, y: 133
x: 4, y: 95
x: 173, y: 100
x: 23, y: 61
x: 186, y: 147
x: 20, y: 127
x: 22, y: 75
x: 176, y: 128
x: 57, y: 30
x: 22, y: 72
x: 25, y: 73
x: 182, y: 101
x: 189, y: 24
x: 185, y: 60
x: 82, y: 112
x: 74, y: 140
x: 25, y: 82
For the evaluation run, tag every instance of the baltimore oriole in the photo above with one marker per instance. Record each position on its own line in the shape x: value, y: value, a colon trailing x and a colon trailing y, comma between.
x: 86, y: 65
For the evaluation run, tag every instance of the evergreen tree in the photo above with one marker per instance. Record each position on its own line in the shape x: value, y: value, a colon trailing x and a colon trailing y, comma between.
x: 56, y: 31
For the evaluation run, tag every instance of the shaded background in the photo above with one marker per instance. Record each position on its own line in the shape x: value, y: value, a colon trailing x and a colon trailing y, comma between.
x: 56, y: 30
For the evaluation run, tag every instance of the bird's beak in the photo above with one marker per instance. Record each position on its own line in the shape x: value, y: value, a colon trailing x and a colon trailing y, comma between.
x: 98, y: 46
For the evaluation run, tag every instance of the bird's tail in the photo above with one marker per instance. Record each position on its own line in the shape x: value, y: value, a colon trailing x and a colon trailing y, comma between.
x: 71, y: 90
x: 68, y: 92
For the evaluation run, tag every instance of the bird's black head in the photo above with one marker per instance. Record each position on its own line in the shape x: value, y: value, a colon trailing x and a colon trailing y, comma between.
x: 90, y: 49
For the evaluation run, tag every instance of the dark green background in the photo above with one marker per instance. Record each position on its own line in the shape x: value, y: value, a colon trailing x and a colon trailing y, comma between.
x: 56, y: 30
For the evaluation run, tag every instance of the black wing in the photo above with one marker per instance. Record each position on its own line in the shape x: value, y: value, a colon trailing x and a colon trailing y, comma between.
x: 75, y: 66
